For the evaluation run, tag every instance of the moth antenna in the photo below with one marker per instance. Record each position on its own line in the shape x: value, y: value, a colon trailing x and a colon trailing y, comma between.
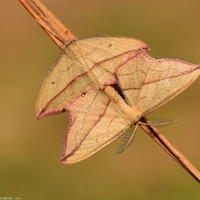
x: 162, y: 122
x: 127, y: 138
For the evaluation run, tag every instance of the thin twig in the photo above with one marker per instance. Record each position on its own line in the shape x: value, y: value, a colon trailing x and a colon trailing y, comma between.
x: 170, y: 149
x: 51, y: 25
x: 60, y: 35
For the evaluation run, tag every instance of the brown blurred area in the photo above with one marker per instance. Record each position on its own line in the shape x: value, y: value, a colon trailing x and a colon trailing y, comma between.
x: 30, y: 149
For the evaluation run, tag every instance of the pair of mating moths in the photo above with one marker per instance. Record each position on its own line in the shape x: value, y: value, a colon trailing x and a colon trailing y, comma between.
x: 107, y: 84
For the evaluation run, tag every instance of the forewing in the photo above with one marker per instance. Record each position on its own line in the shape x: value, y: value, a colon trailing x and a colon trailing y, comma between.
x: 63, y: 83
x: 100, y: 56
x: 149, y: 83
x: 95, y: 122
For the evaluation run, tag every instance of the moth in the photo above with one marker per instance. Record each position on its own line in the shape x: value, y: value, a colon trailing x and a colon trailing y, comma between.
x: 106, y: 84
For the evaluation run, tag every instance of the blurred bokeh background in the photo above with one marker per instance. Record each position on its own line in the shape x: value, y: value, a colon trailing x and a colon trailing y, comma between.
x: 30, y: 149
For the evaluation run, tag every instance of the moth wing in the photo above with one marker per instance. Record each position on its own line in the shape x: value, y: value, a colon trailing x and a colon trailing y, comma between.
x: 149, y: 83
x: 95, y: 122
x: 60, y: 86
x: 100, y: 56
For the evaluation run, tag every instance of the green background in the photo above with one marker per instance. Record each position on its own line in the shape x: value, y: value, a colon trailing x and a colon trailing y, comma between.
x: 30, y: 149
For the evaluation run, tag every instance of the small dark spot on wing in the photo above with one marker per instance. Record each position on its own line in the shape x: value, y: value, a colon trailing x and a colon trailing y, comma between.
x: 83, y: 94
